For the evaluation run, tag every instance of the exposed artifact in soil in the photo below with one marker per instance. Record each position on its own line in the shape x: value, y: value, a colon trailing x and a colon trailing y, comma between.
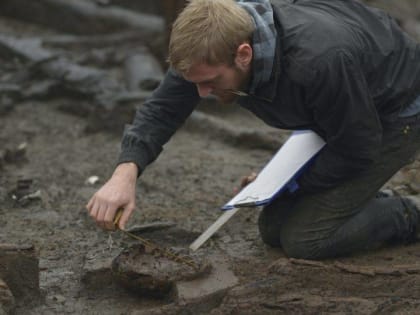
x: 149, y: 273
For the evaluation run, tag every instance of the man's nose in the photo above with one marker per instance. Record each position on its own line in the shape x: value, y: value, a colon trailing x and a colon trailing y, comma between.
x: 204, y: 90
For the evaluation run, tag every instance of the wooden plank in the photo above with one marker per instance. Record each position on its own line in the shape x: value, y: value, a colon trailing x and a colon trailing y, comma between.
x: 213, y: 229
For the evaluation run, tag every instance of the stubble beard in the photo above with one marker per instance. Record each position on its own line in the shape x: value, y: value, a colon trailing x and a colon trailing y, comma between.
x: 228, y: 96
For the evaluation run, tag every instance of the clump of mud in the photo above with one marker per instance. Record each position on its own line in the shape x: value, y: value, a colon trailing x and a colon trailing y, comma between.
x: 148, y: 271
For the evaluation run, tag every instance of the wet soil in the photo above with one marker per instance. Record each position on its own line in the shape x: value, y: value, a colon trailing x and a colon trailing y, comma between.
x: 193, y: 177
x: 190, y: 181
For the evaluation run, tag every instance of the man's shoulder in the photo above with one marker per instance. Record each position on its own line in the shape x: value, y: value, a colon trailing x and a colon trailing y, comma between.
x: 304, y: 62
x: 309, y: 39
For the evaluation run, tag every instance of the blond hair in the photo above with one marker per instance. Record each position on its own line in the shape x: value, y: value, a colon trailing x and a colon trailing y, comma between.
x: 208, y: 31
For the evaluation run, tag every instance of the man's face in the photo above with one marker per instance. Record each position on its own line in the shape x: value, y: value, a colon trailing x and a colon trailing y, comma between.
x: 218, y: 80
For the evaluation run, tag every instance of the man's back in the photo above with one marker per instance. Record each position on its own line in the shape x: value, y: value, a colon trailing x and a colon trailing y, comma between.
x: 314, y: 30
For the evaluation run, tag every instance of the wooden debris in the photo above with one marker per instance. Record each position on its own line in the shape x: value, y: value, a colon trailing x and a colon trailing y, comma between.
x: 108, y: 105
x: 96, y: 40
x: 171, y: 10
x: 149, y: 227
x: 82, y: 80
x: 9, y: 94
x: 371, y: 271
x: 12, y: 247
x: 24, y: 193
x: 80, y: 17
x: 142, y: 71
x: 19, y: 268
x: 275, y: 295
x: 7, y: 300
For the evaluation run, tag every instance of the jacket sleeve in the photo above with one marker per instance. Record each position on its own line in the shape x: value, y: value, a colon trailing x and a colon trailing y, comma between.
x: 345, y: 113
x: 157, y: 120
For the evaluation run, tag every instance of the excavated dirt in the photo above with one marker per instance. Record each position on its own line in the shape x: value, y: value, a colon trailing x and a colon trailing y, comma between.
x: 192, y: 178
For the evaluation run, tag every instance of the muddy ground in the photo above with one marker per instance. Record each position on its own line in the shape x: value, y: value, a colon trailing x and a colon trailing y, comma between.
x: 192, y: 178
x: 188, y: 183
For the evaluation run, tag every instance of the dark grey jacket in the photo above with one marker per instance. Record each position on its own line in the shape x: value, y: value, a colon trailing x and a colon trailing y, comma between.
x: 342, y: 69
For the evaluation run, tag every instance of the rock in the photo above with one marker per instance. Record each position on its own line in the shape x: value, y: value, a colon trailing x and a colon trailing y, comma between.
x: 92, y: 180
x: 17, y: 154
x: 206, y: 293
x: 97, y: 272
x: 24, y: 193
x: 7, y: 301
x: 19, y: 268
x: 60, y: 299
x: 198, y: 296
x: 146, y: 272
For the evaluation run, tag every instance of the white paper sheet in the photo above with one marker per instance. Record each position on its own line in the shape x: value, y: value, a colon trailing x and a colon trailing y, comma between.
x: 292, y: 157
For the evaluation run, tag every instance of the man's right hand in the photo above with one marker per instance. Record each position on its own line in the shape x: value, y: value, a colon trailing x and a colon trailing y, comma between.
x: 245, y: 181
x: 118, y: 192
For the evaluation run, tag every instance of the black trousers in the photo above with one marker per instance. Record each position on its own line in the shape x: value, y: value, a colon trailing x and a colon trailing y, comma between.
x: 349, y: 217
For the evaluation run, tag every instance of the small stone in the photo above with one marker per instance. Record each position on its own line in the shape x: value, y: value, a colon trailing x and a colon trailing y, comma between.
x: 16, y: 155
x: 92, y: 180
x: 59, y: 299
x: 208, y: 290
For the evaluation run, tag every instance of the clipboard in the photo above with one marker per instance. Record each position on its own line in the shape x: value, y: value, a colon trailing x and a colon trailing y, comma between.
x: 281, y: 171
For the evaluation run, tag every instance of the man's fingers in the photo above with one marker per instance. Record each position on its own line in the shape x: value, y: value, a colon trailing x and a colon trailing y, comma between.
x: 90, y: 204
x: 100, y: 216
x: 93, y: 210
x: 244, y: 181
x: 248, y: 179
x: 125, y: 216
x: 109, y: 218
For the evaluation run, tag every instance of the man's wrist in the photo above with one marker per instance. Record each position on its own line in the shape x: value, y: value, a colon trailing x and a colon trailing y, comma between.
x: 127, y: 169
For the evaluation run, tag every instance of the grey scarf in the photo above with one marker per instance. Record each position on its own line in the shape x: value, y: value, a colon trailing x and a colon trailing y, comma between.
x: 263, y: 41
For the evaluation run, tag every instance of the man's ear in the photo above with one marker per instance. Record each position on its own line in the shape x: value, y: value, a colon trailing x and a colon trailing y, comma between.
x: 243, y: 56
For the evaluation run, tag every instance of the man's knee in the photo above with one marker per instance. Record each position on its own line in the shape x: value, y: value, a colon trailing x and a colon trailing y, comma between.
x: 296, y: 243
x: 294, y: 248
x: 269, y: 227
x: 285, y: 235
x: 271, y: 219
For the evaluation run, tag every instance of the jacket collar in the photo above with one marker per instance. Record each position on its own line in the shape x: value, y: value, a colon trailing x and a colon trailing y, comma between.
x: 267, y: 90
